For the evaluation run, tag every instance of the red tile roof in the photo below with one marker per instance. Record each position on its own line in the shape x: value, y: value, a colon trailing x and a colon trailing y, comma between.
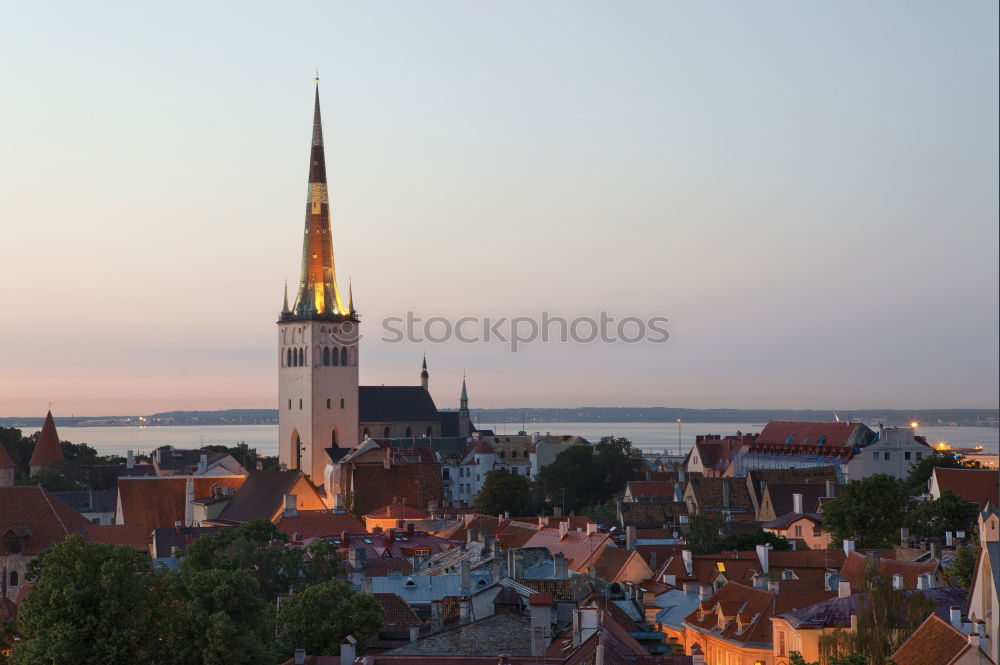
x: 512, y: 535
x: 317, y: 523
x: 651, y: 487
x: 399, y: 511
x: 856, y: 564
x: 159, y: 501
x: 777, y: 432
x: 976, y: 485
x: 6, y: 461
x: 484, y: 524
x: 580, y: 548
x: 34, y: 513
x: 935, y: 642
x: 48, y: 450
x: 136, y: 536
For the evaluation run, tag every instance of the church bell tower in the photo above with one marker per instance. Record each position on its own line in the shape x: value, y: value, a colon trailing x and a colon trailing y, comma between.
x: 317, y: 341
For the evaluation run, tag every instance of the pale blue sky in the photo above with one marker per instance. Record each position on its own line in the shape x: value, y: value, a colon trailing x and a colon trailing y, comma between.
x: 808, y: 191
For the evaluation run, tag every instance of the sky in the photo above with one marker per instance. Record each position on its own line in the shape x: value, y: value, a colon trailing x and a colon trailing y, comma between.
x: 808, y: 191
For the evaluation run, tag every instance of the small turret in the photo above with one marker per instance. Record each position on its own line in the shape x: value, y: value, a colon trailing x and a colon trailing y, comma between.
x: 424, y: 375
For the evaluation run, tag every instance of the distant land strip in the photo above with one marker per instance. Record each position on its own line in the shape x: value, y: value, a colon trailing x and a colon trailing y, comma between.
x: 532, y: 417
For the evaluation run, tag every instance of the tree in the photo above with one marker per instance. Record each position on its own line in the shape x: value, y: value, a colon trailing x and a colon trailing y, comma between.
x: 572, y: 480
x: 619, y: 462
x: 948, y: 513
x: 320, y: 616
x: 921, y: 470
x: 505, y: 492
x: 870, y: 511
x: 748, y: 540
x: 89, y: 605
x: 964, y: 564
x: 886, y: 618
x: 703, y: 534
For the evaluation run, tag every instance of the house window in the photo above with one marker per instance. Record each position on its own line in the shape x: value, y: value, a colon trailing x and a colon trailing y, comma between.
x: 781, y: 644
x: 920, y: 455
x: 446, y: 473
x: 906, y: 455
x: 798, y: 531
x: 875, y: 456
x: 13, y: 578
x: 887, y: 453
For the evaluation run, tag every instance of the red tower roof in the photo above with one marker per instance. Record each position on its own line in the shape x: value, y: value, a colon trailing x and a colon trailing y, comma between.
x: 6, y: 461
x: 47, y: 450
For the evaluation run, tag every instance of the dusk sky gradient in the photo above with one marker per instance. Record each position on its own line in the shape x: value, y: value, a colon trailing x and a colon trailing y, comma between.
x: 807, y: 190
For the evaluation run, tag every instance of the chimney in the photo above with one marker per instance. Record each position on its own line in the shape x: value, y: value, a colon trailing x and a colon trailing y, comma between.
x: 512, y: 563
x: 414, y: 633
x: 348, y: 649
x: 540, y: 606
x: 772, y: 586
x: 897, y: 582
x: 873, y: 560
x: 563, y: 529
x: 129, y: 460
x: 848, y: 547
x: 652, y: 561
x: 300, y: 656
x: 955, y: 617
x: 496, y: 568
x: 934, y: 550
x: 387, y: 460
x: 762, y: 556
x: 630, y: 538
x: 904, y: 536
x: 471, y: 535
x: 289, y: 506
x: 681, y: 475
x: 797, y: 503
x: 678, y: 493
x: 688, y: 562
x: 408, y: 529
x: 831, y: 489
x: 586, y: 622
x: 949, y: 539
x: 156, y: 455
x: 357, y: 557
x: 463, y: 610
x: 760, y: 581
x: 591, y: 528
x: 189, y: 502
x: 338, y: 503
x: 844, y: 589
x: 466, y: 569
x: 725, y: 493
x: 202, y: 464
x: 705, y: 591
x: 560, y: 566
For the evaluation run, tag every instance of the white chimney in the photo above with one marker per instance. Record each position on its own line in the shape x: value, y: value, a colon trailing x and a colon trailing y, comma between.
x: 414, y: 633
x: 563, y: 529
x: 189, y: 502
x: 955, y: 617
x: 848, y: 547
x: 129, y: 460
x: 949, y: 539
x: 797, y: 503
x: 831, y: 489
x: 688, y: 562
x: 591, y: 528
x: 348, y: 649
x: 202, y: 464
x: 762, y: 557
x: 844, y: 589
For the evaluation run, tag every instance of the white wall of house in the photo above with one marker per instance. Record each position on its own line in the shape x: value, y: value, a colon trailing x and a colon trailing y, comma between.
x: 893, y: 453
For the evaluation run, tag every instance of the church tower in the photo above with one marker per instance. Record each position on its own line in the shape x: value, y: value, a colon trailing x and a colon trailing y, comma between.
x: 317, y: 341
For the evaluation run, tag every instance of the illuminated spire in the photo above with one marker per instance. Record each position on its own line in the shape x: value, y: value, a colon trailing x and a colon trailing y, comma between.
x: 284, y: 308
x: 350, y: 299
x: 318, y: 293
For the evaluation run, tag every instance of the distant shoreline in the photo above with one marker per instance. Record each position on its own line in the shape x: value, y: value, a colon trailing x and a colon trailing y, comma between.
x: 539, y: 416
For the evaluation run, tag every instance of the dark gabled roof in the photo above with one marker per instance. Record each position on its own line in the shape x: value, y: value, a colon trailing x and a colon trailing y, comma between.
x: 757, y: 479
x: 175, y: 459
x: 781, y: 496
x: 93, y: 501
x: 260, y: 495
x: 389, y: 404
x: 336, y: 454
x: 449, y: 423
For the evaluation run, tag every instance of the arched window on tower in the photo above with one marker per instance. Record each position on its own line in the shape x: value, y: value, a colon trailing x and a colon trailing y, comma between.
x: 300, y: 405
x: 333, y: 438
x: 342, y: 403
x: 326, y: 356
x: 288, y: 358
x: 289, y: 405
x: 328, y: 403
x: 409, y: 432
x: 343, y: 356
x: 334, y: 357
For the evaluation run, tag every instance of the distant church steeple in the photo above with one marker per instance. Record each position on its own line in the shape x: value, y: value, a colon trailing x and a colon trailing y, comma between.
x: 424, y: 375
x: 318, y: 293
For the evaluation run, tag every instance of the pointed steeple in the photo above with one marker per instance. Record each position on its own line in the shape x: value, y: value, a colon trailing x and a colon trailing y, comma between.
x: 318, y: 293
x: 350, y: 299
x: 463, y: 400
x: 48, y: 450
x: 284, y: 308
x: 424, y: 374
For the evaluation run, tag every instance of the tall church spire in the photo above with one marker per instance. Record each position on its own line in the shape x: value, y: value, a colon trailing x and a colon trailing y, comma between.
x: 318, y: 293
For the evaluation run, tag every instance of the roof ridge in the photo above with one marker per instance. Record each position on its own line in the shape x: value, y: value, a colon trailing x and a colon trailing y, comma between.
x: 53, y: 509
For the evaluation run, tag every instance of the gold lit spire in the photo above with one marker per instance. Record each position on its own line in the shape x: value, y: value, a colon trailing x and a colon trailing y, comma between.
x: 318, y: 293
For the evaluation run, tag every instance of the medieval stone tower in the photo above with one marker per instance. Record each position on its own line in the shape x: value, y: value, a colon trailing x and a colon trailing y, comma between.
x: 317, y: 341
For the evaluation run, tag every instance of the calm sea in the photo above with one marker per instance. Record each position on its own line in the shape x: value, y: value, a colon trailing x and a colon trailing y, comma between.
x: 651, y: 437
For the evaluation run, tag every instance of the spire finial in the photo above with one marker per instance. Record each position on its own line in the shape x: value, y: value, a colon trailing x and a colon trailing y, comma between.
x: 284, y: 309
x: 316, y: 80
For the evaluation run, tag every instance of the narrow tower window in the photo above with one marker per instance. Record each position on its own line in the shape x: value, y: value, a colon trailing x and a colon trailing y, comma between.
x: 333, y: 360
x: 343, y: 356
x: 300, y: 404
x: 342, y: 403
x: 326, y: 356
x: 289, y: 405
x: 328, y: 403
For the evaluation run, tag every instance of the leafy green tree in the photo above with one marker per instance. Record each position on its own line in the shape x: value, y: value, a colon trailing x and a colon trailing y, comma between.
x: 219, y: 618
x: 748, y: 540
x: 51, y: 479
x: 704, y: 533
x: 89, y: 605
x: 320, y: 616
x: 618, y: 460
x: 886, y: 618
x: 504, y: 491
x: 948, y: 513
x: 850, y: 659
x: 870, y: 511
x: 572, y: 480
x: 964, y: 564
x: 921, y: 470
